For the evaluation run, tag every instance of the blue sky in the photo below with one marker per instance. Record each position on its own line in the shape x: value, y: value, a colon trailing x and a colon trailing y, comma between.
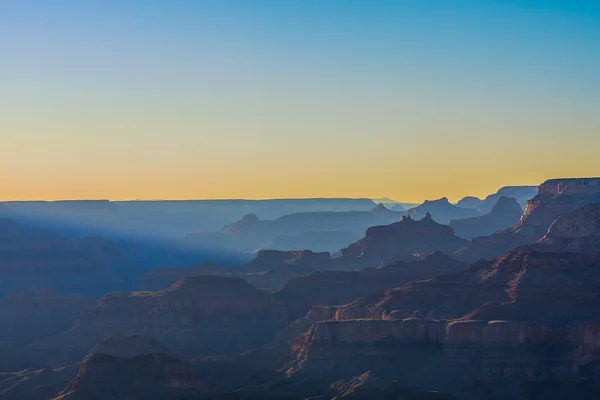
x: 196, y: 99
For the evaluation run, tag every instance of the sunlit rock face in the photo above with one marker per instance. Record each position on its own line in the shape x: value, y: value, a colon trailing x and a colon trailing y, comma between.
x: 555, y: 197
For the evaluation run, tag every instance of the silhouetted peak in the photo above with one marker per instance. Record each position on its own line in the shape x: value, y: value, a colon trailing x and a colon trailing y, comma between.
x: 250, y: 218
x: 443, y: 200
x: 428, y: 216
x: 507, y: 204
x: 380, y: 208
x: 469, y: 202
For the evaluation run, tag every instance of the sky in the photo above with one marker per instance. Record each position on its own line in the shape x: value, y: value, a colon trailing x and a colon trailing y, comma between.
x: 192, y: 99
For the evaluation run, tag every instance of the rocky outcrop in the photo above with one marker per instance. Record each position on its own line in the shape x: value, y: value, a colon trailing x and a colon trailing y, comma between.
x: 442, y: 211
x: 250, y: 233
x: 537, y: 284
x: 408, y: 236
x: 576, y: 230
x: 555, y: 197
x: 141, y: 374
x: 340, y: 287
x: 545, y: 286
x: 203, y: 315
x: 520, y: 193
x: 506, y: 213
x: 450, y: 356
x: 469, y: 202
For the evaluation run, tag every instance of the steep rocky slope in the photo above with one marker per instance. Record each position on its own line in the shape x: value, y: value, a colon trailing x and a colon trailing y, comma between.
x: 524, y: 325
x: 555, y: 197
x: 505, y: 213
x: 466, y: 358
x: 577, y: 230
x: 300, y: 294
x: 528, y: 284
x: 469, y: 202
x: 520, y: 193
x: 521, y: 326
x: 202, y: 315
x: 131, y: 367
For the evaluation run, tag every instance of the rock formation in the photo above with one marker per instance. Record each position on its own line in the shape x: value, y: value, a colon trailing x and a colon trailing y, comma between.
x: 576, y: 230
x: 131, y: 367
x: 555, y: 198
x: 328, y: 288
x: 506, y: 213
x: 449, y: 356
x: 250, y: 233
x: 469, y: 202
x: 520, y: 193
x: 441, y: 211
x: 203, y: 315
x: 523, y: 325
x: 401, y: 238
x: 35, y: 259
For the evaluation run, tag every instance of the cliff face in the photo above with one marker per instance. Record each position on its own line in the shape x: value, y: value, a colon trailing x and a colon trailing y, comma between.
x: 524, y: 323
x: 506, y: 213
x: 521, y: 193
x: 201, y: 315
x: 340, y: 287
x: 576, y: 230
x: 448, y: 355
x: 555, y: 197
x: 140, y: 374
x: 538, y: 284
x: 405, y: 237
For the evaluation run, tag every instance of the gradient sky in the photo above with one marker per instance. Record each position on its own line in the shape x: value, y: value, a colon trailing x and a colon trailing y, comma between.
x: 412, y: 100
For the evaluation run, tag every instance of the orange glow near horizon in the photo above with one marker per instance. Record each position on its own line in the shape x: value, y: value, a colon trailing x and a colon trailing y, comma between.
x: 198, y: 100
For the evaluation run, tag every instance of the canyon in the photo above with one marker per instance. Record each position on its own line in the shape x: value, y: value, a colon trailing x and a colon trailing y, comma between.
x: 411, y: 310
